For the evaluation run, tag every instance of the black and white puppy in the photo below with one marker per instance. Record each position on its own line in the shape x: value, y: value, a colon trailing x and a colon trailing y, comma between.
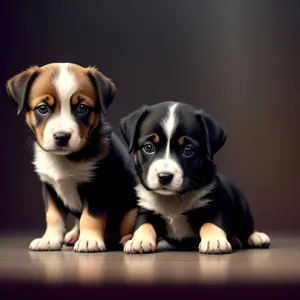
x: 181, y: 196
x: 83, y: 166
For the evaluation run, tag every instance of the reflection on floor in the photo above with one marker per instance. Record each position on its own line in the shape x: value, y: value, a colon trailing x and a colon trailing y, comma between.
x: 279, y: 265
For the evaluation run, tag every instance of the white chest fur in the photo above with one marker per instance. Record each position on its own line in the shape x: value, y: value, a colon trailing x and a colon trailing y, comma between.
x: 171, y: 208
x: 63, y: 175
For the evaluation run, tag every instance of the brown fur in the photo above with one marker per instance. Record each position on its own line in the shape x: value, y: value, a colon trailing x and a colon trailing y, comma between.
x: 128, y: 222
x: 156, y: 138
x: 209, y: 230
x: 181, y: 141
x: 43, y: 92
x: 53, y: 215
x: 145, y: 232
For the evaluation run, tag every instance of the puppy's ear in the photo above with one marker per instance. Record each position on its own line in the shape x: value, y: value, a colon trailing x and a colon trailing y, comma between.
x: 18, y: 87
x: 130, y: 126
x: 105, y: 88
x: 215, y: 135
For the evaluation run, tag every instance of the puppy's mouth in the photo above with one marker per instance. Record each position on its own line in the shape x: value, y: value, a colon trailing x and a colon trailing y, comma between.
x: 57, y: 150
x: 61, y: 151
x: 165, y: 191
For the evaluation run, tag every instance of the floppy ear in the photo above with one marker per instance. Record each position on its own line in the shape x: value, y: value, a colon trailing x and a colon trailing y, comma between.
x: 215, y: 135
x: 105, y: 88
x: 18, y: 87
x: 130, y: 126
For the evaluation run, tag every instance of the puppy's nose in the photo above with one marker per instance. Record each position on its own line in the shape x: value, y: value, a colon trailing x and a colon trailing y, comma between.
x: 165, y: 178
x: 62, y: 138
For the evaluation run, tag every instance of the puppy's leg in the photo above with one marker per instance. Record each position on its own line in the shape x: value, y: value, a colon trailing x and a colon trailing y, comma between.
x: 213, y: 240
x: 245, y: 224
x: 143, y: 241
x: 55, y: 224
x: 127, y: 226
x: 259, y: 240
x: 92, y: 228
x: 72, y: 236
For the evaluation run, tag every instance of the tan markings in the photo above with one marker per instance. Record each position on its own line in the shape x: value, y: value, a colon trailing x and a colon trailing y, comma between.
x: 55, y: 229
x: 83, y: 99
x: 128, y: 222
x: 90, y: 223
x: 49, y: 100
x: 30, y: 120
x: 209, y: 230
x: 213, y: 240
x: 145, y: 232
x: 43, y: 86
x: 181, y: 140
x: 92, y: 229
x: 53, y: 215
x: 39, y: 131
x: 156, y: 138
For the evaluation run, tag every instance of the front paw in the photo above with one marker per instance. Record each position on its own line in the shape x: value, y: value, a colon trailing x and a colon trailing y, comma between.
x: 139, y: 246
x: 89, y: 242
x: 47, y: 243
x: 215, y: 246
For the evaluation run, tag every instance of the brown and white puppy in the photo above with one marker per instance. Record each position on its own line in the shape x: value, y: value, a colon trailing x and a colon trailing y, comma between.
x: 83, y: 166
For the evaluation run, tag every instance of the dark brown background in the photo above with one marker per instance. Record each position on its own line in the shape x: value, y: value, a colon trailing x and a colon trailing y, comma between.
x: 237, y: 59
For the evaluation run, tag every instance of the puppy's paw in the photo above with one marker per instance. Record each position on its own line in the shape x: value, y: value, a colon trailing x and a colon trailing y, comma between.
x: 215, y: 246
x: 71, y: 237
x: 259, y: 240
x: 89, y: 242
x: 139, y: 246
x: 47, y: 243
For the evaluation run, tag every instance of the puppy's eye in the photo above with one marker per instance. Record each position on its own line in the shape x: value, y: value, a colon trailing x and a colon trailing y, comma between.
x: 82, y: 109
x: 43, y: 109
x: 187, y: 151
x: 149, y: 148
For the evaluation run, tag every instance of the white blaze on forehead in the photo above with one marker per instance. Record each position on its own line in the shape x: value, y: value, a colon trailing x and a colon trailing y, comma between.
x: 65, y: 83
x: 169, y: 125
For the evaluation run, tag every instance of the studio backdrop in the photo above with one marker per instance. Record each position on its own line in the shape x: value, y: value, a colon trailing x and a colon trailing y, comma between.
x: 239, y: 60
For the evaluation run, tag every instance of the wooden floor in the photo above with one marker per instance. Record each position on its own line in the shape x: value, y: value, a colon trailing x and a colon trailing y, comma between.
x: 52, y: 274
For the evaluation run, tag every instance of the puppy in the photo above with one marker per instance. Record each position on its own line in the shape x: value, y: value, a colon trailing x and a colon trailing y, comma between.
x: 181, y: 196
x: 84, y: 168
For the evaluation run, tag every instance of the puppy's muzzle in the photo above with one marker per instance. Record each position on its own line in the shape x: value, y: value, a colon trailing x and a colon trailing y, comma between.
x: 165, y: 178
x: 62, y: 139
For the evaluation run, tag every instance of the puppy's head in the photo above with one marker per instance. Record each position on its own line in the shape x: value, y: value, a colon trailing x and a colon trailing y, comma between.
x: 63, y: 103
x: 172, y: 146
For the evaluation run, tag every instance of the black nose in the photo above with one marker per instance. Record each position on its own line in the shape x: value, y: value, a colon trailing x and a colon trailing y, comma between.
x: 62, y: 138
x: 165, y: 178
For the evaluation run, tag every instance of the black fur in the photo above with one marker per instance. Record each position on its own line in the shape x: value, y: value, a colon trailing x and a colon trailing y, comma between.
x: 228, y: 210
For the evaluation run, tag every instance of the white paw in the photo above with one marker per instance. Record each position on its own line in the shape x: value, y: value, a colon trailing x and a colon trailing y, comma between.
x: 259, y: 240
x: 139, y: 246
x: 215, y: 246
x: 89, y: 242
x: 71, y: 237
x: 47, y: 243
